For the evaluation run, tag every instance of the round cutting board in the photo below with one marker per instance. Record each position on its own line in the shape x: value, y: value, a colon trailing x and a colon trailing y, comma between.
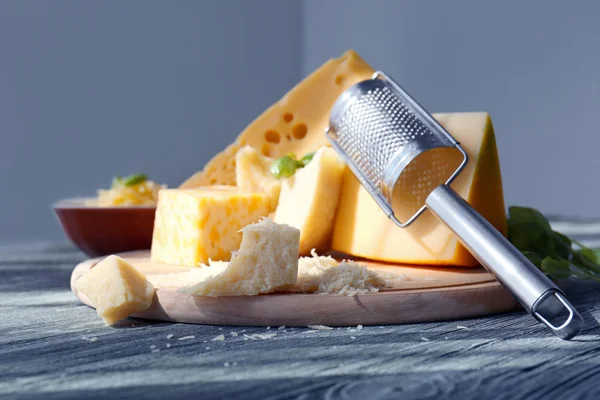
x: 416, y: 294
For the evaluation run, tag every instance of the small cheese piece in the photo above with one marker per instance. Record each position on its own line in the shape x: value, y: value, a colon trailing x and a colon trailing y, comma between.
x: 362, y: 228
x: 295, y: 124
x: 309, y: 199
x: 193, y: 226
x: 116, y: 289
x: 267, y: 259
x: 253, y: 174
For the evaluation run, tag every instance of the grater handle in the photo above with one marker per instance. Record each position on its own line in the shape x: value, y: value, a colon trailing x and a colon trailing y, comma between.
x: 536, y: 293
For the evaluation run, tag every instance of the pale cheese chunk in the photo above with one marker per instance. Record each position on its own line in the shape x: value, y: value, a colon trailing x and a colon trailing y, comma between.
x: 116, y: 289
x: 309, y: 199
x: 253, y: 174
x: 266, y: 260
x: 193, y: 226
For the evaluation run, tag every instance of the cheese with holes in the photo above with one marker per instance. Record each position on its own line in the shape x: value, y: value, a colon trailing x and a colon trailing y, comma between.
x: 266, y: 260
x: 309, y: 199
x: 362, y: 229
x: 253, y: 174
x: 296, y: 123
x: 116, y: 289
x: 194, y: 225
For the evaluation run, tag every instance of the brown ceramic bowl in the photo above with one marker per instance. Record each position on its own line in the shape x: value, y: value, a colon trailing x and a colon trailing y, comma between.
x: 99, y: 231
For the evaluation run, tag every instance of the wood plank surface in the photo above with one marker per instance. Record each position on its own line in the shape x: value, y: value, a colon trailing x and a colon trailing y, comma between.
x: 52, y: 346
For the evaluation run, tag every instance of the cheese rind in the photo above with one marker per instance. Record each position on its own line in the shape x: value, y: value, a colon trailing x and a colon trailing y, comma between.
x: 362, y: 228
x: 266, y: 260
x: 193, y: 226
x: 309, y: 199
x: 116, y: 289
x: 296, y: 123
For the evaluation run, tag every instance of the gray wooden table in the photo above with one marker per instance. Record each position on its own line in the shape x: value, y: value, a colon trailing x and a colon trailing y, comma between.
x: 51, y: 346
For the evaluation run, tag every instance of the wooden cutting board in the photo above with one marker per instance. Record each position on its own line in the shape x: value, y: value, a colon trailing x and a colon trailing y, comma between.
x: 417, y: 294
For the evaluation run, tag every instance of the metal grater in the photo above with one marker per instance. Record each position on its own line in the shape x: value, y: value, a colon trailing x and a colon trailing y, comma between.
x: 401, y: 155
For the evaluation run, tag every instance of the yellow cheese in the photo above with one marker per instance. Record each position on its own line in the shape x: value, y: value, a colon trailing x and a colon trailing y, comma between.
x: 362, y: 229
x: 194, y: 225
x: 253, y: 174
x: 116, y: 289
x: 266, y: 260
x: 296, y: 123
x: 309, y: 199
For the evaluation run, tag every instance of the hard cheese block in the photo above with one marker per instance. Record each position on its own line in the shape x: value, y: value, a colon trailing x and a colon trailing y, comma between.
x: 362, y: 229
x: 253, y: 174
x: 192, y: 226
x: 116, y: 289
x: 309, y: 199
x: 266, y: 260
x: 296, y: 123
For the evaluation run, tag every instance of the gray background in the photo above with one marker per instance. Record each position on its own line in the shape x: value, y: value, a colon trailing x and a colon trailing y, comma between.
x: 92, y: 89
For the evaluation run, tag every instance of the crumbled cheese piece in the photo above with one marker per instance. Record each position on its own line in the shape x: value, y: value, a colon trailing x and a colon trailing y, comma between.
x: 219, y: 338
x: 234, y: 334
x: 226, y: 364
x: 425, y: 339
x: 268, y: 328
x: 152, y: 347
x: 463, y: 327
x: 359, y: 327
x: 90, y: 339
x: 187, y: 337
x: 207, y: 347
x: 320, y: 327
x: 352, y: 337
x: 259, y: 336
x: 168, y: 345
x: 323, y: 274
x: 169, y: 336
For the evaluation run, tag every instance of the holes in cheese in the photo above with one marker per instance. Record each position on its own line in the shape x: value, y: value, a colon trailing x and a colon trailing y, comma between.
x: 308, y: 105
x: 267, y: 259
x: 194, y: 225
x: 362, y: 229
x: 309, y: 199
x: 116, y: 289
x: 272, y: 136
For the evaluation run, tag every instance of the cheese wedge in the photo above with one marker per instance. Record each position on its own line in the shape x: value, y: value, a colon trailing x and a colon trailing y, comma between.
x: 296, y: 123
x: 116, y: 289
x: 193, y: 226
x: 309, y: 199
x: 362, y: 229
x: 253, y: 174
x: 266, y: 260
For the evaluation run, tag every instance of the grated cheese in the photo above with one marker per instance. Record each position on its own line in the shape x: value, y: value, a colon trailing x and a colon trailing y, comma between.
x: 320, y: 327
x: 187, y: 337
x: 219, y: 338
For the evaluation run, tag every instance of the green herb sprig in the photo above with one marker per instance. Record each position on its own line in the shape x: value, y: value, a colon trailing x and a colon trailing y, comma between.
x: 130, y: 180
x: 286, y: 166
x: 557, y: 255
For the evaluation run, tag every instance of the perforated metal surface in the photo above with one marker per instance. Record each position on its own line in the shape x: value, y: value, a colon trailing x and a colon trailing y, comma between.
x: 373, y: 125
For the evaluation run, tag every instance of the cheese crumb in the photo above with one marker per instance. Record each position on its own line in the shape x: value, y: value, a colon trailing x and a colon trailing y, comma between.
x: 281, y: 327
x: 168, y: 345
x: 260, y: 336
x: 169, y: 336
x: 359, y: 327
x: 425, y: 339
x: 219, y: 338
x: 226, y: 364
x: 320, y: 327
x: 268, y: 328
x: 152, y: 347
x: 463, y: 327
x: 208, y: 347
x: 234, y: 334
x: 352, y: 337
x: 187, y: 337
x: 323, y: 274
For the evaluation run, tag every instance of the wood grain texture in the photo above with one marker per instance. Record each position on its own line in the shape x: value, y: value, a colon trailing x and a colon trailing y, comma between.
x: 54, y: 347
x: 416, y: 294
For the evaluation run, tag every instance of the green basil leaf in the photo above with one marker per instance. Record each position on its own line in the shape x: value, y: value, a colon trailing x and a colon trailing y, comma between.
x: 283, y: 167
x: 135, y: 179
x: 556, y: 268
